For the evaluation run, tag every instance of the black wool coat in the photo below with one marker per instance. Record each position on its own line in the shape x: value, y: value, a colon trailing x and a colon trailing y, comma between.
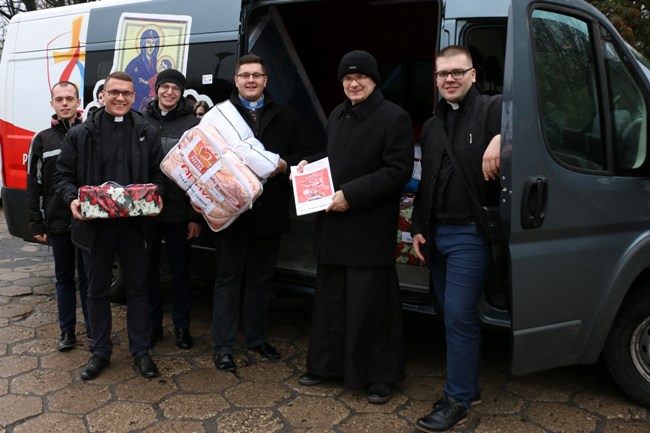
x: 370, y: 150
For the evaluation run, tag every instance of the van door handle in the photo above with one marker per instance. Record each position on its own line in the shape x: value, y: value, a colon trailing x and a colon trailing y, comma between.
x: 533, y: 203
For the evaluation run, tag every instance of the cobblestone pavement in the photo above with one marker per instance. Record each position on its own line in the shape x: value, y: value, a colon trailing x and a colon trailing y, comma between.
x: 41, y: 391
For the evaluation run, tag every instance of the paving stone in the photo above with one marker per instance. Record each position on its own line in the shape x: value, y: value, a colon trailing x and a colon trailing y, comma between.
x: 4, y: 386
x: 40, y: 382
x: 537, y: 387
x: 255, y: 394
x: 52, y: 423
x: 506, y: 424
x: 3, y: 349
x: 12, y: 334
x: 15, y: 310
x: 266, y: 371
x: 201, y: 381
x: 79, y: 398
x: 357, y: 400
x: 193, y: 406
x: 35, y: 347
x: 250, y: 421
x: 415, y: 410
x: 423, y: 388
x: 626, y: 427
x: 14, y: 408
x: 173, y: 366
x: 36, y: 299
x: 12, y: 291
x: 117, y: 372
x: 15, y: 365
x: 503, y: 403
x: 562, y: 418
x: 145, y: 391
x: 68, y: 361
x: 121, y: 417
x: 329, y: 388
x: 610, y: 405
x: 176, y: 427
x: 39, y: 318
x: 309, y: 411
x: 377, y: 422
x: 13, y: 276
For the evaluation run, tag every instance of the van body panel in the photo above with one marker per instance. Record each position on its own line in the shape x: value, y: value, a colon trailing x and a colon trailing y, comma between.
x: 471, y: 10
x: 567, y: 231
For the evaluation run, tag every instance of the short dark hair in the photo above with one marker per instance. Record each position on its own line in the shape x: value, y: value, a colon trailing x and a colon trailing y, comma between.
x: 248, y: 59
x: 99, y: 90
x: 119, y: 75
x: 65, y: 84
x: 454, y: 50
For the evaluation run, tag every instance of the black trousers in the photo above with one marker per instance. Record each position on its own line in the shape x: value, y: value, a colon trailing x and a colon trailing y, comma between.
x: 121, y: 237
x: 251, y: 261
x: 356, y: 330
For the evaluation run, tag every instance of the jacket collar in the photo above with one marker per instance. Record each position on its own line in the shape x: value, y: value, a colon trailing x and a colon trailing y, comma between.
x: 443, y: 106
x: 182, y: 108
x: 65, y: 126
x: 364, y: 108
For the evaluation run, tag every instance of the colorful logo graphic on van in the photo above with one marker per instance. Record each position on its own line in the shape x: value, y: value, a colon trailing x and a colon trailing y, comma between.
x: 67, y: 65
x: 147, y: 44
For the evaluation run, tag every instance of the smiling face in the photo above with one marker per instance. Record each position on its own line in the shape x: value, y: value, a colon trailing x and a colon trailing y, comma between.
x: 65, y: 101
x: 168, y: 96
x: 358, y: 87
x: 118, y: 105
x: 454, y: 90
x: 251, y: 88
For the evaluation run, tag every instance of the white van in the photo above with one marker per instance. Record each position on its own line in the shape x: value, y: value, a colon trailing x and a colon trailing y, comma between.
x: 575, y: 157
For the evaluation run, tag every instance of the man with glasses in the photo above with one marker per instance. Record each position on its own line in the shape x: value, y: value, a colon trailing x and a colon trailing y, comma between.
x: 178, y: 224
x: 249, y: 248
x: 445, y: 221
x: 356, y: 323
x: 114, y: 144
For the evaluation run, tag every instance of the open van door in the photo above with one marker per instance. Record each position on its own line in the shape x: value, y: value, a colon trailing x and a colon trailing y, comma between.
x: 575, y: 164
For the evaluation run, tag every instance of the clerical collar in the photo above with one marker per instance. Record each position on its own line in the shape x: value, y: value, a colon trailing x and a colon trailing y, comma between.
x: 116, y: 119
x: 252, y: 105
x: 454, y: 105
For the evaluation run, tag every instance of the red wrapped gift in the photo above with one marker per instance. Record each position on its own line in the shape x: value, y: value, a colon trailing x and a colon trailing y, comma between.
x: 405, y: 251
x: 111, y: 200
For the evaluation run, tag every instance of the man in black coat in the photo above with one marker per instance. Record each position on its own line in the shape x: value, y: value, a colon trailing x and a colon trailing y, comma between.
x: 113, y: 144
x: 446, y: 226
x: 356, y: 326
x: 178, y: 224
x: 249, y: 248
x: 49, y: 218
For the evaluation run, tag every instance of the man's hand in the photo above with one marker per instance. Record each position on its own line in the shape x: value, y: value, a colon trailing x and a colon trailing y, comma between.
x: 339, y: 203
x: 492, y: 159
x: 281, y: 168
x: 75, y: 208
x: 419, y: 240
x: 300, y: 167
x: 41, y: 238
x: 193, y: 230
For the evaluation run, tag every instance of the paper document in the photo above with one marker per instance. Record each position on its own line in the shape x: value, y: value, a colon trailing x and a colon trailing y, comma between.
x: 313, y: 188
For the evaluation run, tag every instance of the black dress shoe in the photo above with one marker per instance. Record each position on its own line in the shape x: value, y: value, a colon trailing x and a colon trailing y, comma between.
x: 183, y: 338
x: 447, y: 413
x: 308, y: 379
x: 266, y: 350
x: 94, y: 366
x: 156, y: 335
x: 379, y: 393
x: 67, y: 340
x: 146, y: 367
x: 225, y: 362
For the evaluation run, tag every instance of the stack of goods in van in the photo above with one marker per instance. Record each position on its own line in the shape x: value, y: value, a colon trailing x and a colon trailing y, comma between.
x: 220, y: 165
x: 111, y: 200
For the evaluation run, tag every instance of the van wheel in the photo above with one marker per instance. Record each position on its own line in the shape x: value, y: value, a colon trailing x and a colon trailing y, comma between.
x: 627, y: 350
x: 118, y: 289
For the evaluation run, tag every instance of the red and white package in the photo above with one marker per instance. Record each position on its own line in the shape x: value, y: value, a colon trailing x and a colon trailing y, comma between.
x: 112, y: 200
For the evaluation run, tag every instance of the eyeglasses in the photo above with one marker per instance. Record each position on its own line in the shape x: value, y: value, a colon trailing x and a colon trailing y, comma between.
x: 348, y: 79
x: 456, y: 74
x: 167, y: 88
x: 246, y: 76
x: 115, y: 93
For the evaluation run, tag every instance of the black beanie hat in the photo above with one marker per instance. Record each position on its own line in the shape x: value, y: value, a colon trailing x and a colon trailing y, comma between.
x: 170, y: 76
x: 359, y: 62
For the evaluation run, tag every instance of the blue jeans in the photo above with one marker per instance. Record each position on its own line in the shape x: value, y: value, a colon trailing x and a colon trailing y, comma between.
x: 460, y: 260
x: 178, y: 254
x: 66, y: 259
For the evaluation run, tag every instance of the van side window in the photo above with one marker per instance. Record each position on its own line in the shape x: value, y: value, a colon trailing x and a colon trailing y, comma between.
x: 578, y: 122
x: 568, y: 90
x: 629, y: 119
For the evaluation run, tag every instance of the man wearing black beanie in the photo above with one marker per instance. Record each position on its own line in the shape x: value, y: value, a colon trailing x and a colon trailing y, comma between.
x: 178, y: 224
x: 356, y: 324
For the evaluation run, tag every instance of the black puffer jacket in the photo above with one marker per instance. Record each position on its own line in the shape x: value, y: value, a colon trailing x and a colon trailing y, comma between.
x: 47, y: 213
x: 170, y: 129
x: 80, y: 164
